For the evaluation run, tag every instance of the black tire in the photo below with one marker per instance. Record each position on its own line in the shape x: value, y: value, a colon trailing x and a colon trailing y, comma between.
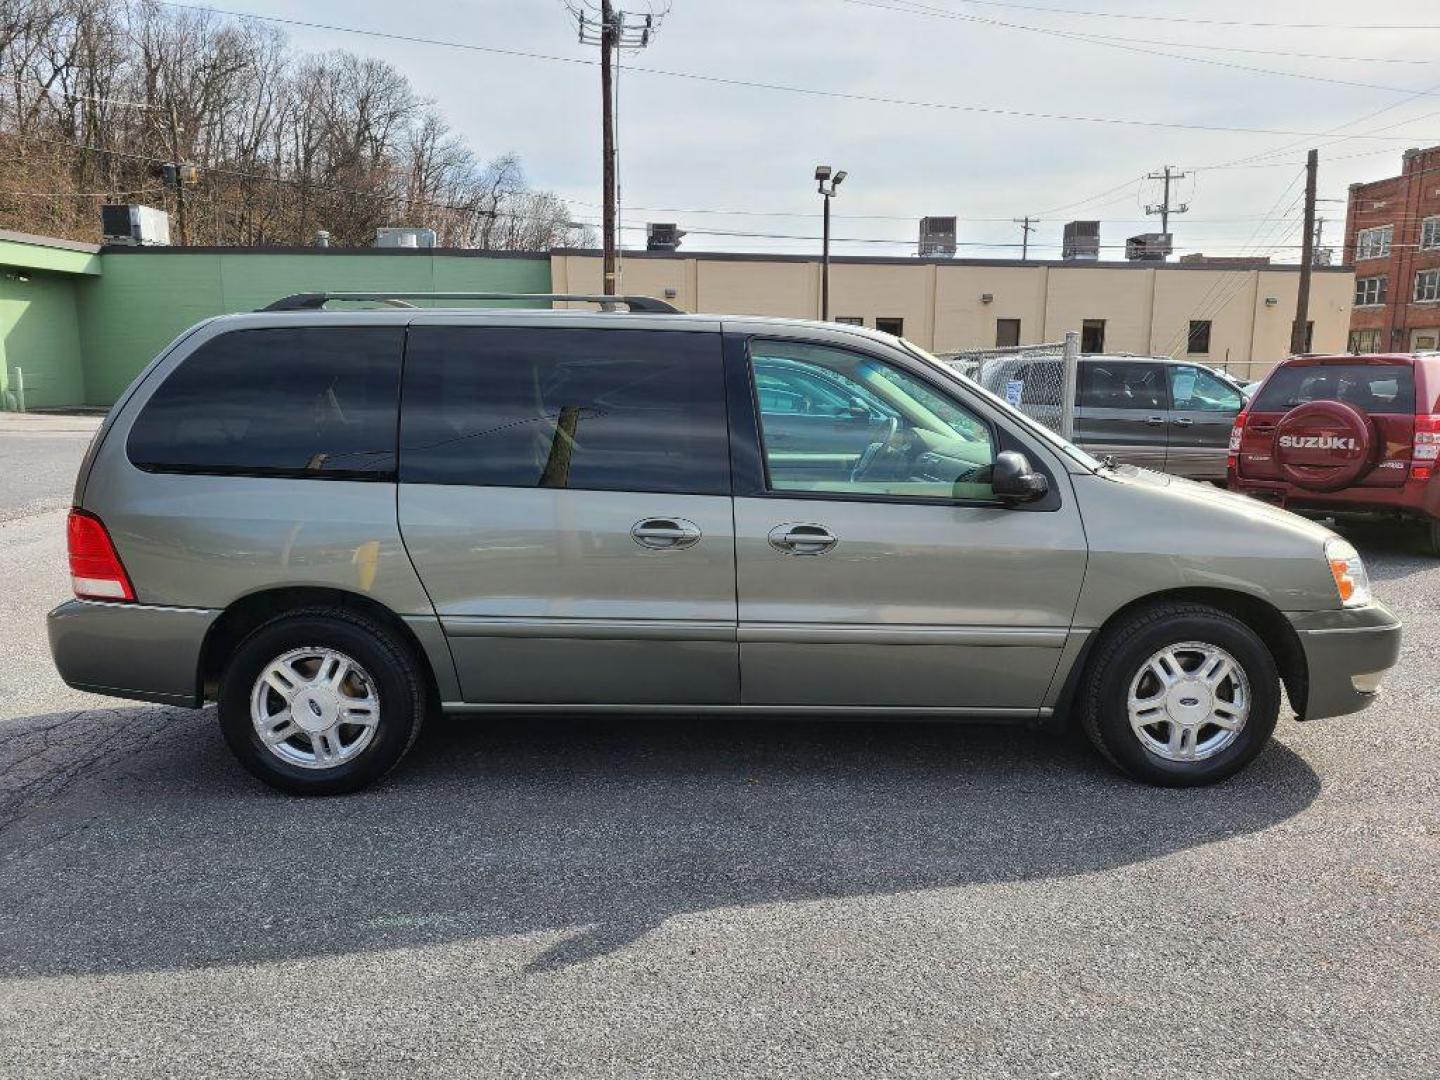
x: 391, y: 666
x: 1119, y: 657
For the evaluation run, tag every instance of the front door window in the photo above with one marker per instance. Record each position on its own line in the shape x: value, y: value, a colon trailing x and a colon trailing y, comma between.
x: 842, y: 423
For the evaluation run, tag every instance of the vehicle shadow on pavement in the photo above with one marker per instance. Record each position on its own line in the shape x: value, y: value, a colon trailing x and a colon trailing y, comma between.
x: 170, y: 857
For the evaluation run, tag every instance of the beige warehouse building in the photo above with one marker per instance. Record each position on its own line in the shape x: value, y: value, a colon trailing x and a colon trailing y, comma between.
x: 1232, y: 315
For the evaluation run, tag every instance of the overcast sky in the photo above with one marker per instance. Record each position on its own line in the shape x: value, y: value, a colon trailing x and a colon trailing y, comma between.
x: 690, y: 147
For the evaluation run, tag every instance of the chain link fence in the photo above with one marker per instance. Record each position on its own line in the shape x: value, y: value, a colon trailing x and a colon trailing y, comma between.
x: 1039, y: 380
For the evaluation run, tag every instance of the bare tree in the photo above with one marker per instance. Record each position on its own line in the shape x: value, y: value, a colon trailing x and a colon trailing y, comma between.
x: 96, y: 94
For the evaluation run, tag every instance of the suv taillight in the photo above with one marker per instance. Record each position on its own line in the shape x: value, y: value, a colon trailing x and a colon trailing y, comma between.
x: 1427, y: 446
x: 1237, y: 432
x: 96, y: 572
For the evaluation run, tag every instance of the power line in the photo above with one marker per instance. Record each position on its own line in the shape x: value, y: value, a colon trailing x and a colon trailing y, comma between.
x: 1190, y: 21
x: 838, y: 95
x: 1114, y: 43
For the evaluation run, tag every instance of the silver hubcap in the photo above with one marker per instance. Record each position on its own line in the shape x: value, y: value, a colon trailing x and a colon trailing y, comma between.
x: 315, y: 707
x: 1189, y: 701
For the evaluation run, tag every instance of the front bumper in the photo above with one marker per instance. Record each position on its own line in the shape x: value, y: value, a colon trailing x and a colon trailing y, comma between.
x: 130, y: 650
x: 1346, y: 650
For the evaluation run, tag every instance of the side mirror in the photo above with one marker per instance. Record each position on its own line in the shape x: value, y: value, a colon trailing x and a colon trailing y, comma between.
x: 1014, y: 480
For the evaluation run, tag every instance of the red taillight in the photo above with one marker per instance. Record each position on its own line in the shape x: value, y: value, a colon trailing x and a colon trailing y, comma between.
x: 96, y: 572
x: 1237, y: 432
x: 1427, y: 446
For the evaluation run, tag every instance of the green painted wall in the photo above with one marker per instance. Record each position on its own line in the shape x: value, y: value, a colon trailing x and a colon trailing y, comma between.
x: 143, y: 299
x: 41, y: 253
x: 40, y: 334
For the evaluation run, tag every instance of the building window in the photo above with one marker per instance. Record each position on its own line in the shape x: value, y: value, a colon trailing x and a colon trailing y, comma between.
x: 1369, y: 290
x: 850, y: 320
x: 1374, y: 243
x: 1364, y: 341
x: 891, y: 326
x: 1427, y: 285
x: 1007, y: 333
x: 1430, y: 233
x: 1199, y: 336
x: 1092, y: 336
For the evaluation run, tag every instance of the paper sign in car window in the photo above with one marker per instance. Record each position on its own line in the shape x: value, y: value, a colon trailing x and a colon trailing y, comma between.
x: 1184, y: 388
x: 1013, y: 389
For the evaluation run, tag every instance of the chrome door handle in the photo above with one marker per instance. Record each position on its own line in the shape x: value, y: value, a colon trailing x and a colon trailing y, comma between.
x: 802, y: 539
x: 665, y: 533
x: 1182, y: 421
x: 1154, y: 420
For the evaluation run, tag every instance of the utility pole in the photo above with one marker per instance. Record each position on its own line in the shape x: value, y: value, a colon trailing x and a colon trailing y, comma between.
x: 179, y: 172
x: 612, y: 30
x: 1027, y: 223
x: 607, y: 124
x: 1307, y: 257
x: 1167, y: 175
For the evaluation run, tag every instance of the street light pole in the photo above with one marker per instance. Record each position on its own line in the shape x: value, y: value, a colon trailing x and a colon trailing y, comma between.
x: 827, y: 187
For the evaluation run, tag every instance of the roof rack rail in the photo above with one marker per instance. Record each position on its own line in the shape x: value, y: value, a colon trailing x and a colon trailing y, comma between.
x: 316, y: 301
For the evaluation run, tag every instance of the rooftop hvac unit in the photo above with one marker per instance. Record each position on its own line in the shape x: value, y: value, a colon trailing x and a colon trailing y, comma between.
x: 1149, y: 247
x: 404, y: 238
x: 937, y: 237
x: 130, y: 223
x: 662, y: 236
x: 1081, y: 242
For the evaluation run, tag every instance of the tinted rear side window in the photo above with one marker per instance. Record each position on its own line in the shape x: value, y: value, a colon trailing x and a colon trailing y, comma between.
x: 601, y: 410
x: 1122, y: 385
x: 1377, y: 388
x: 307, y: 401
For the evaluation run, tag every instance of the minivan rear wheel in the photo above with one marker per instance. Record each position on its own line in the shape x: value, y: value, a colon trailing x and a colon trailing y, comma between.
x: 321, y: 702
x: 1180, y: 695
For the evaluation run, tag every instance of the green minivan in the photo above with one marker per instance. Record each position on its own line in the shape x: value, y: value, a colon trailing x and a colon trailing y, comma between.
x: 333, y: 521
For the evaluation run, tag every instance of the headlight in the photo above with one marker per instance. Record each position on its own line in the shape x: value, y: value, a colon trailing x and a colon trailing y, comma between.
x: 1351, y: 581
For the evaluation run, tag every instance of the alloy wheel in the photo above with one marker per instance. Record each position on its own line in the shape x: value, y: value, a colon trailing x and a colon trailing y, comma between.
x: 1189, y: 701
x: 315, y: 707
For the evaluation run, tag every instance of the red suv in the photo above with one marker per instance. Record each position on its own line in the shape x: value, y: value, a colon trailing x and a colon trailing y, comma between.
x: 1342, y: 434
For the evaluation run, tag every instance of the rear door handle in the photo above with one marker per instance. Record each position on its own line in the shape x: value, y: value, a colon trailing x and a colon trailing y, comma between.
x: 1155, y: 420
x: 802, y: 539
x: 665, y: 533
x: 1182, y: 421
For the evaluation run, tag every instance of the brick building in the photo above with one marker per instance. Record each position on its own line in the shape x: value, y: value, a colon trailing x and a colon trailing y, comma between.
x: 1392, y: 239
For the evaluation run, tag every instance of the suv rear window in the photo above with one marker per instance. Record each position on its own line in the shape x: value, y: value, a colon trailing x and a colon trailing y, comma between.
x: 600, y: 410
x: 1376, y: 388
x: 303, y: 401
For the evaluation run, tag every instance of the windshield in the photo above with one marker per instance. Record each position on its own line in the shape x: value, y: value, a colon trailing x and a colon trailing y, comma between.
x: 1039, y: 430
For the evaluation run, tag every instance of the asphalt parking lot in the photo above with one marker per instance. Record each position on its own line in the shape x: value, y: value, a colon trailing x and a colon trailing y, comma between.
x: 693, y: 898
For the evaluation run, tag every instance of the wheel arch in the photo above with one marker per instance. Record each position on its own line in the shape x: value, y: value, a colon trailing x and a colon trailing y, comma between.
x: 248, y: 612
x: 1259, y: 615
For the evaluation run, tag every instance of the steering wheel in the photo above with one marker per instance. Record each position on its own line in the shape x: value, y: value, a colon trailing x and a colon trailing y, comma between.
x: 867, y: 459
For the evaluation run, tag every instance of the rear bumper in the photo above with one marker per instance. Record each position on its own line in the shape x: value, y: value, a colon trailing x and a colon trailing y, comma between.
x: 1346, y: 651
x: 1414, y: 499
x: 130, y: 650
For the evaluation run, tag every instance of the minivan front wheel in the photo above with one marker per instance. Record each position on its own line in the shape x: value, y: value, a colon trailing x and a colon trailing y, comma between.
x: 320, y: 702
x: 1180, y: 695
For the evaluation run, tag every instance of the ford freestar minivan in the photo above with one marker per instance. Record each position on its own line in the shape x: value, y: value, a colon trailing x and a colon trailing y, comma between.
x: 334, y: 522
